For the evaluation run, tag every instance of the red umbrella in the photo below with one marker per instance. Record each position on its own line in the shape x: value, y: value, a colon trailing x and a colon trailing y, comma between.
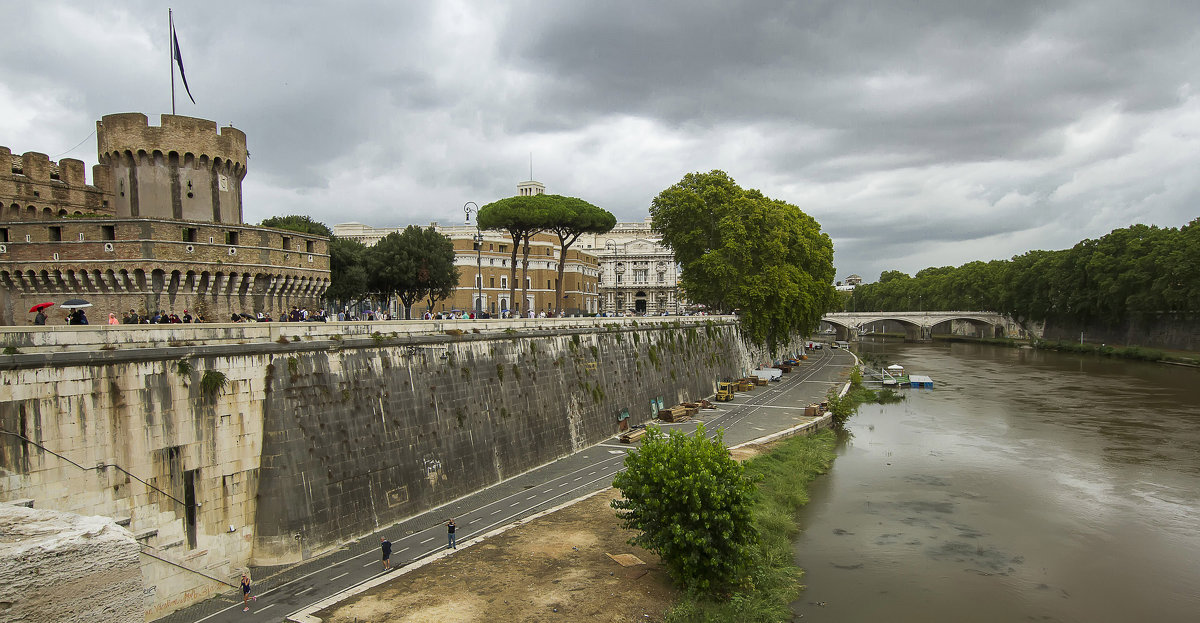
x: 39, y: 307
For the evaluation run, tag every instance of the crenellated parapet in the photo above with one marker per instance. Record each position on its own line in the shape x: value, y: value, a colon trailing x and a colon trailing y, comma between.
x: 33, y: 187
x: 150, y: 264
x: 185, y: 168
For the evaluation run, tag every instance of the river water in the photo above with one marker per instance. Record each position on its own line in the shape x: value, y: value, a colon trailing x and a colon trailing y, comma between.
x: 1027, y: 486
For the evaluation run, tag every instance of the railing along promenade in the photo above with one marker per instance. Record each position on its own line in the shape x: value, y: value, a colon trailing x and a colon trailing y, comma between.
x: 77, y: 338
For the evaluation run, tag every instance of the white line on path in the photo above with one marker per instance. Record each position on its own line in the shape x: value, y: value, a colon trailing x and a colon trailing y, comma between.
x: 498, y: 510
x: 265, y: 607
x: 308, y: 589
x: 339, y: 576
x: 426, y: 540
x: 514, y: 503
x: 364, y: 567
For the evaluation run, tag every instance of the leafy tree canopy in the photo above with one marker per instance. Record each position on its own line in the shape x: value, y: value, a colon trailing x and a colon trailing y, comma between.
x: 523, y: 216
x: 692, y: 503
x: 296, y: 222
x: 347, y: 271
x: 742, y: 250
x: 412, y: 264
x: 1134, y: 271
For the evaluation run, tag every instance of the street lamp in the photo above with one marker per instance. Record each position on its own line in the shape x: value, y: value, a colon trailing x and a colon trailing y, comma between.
x: 470, y: 207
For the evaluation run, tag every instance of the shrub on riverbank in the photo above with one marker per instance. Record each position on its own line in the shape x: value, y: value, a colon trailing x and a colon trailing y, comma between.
x: 842, y: 407
x: 773, y: 579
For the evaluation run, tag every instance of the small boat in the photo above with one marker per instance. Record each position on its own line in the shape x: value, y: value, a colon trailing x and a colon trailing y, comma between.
x: 895, y: 376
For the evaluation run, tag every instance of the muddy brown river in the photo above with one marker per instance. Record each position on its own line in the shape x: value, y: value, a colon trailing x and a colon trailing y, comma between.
x: 1027, y: 486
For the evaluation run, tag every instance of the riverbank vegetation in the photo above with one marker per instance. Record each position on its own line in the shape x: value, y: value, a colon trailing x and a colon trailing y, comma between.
x: 842, y: 406
x: 767, y: 578
x: 1134, y: 274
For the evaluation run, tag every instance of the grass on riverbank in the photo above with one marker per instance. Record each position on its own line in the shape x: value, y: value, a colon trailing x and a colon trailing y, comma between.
x: 783, y: 475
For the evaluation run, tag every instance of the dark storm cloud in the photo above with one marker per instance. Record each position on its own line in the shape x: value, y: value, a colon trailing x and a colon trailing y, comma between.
x: 917, y: 133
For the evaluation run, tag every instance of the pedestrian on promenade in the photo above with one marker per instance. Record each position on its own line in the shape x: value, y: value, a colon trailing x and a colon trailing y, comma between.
x: 450, y: 534
x: 246, y: 598
x: 112, y: 318
x: 40, y: 318
x: 386, y: 546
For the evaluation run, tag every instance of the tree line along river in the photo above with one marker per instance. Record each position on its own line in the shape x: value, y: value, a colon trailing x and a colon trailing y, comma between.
x: 1028, y: 485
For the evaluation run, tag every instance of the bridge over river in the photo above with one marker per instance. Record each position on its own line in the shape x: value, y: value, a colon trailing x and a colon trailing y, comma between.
x: 919, y: 325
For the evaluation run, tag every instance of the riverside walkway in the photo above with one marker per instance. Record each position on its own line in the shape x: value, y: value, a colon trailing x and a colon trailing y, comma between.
x: 292, y: 593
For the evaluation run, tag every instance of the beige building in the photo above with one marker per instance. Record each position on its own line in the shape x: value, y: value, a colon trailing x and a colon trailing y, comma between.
x: 484, y: 272
x: 638, y: 274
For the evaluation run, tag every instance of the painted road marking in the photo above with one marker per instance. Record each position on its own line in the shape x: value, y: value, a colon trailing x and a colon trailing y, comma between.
x: 514, y: 503
x: 308, y: 589
x: 266, y: 607
x: 578, y: 478
x: 428, y: 540
x: 339, y: 576
x: 498, y: 510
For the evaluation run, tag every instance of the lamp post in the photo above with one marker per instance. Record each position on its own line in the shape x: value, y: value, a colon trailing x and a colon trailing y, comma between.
x: 470, y: 207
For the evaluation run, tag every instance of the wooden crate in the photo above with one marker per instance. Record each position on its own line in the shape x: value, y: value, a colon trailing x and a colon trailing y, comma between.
x: 633, y: 435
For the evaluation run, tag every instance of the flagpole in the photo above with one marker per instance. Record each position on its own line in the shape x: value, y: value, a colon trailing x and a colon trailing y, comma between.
x: 171, y: 56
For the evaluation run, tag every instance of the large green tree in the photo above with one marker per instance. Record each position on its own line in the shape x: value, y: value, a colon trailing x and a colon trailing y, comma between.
x: 412, y: 264
x: 691, y: 503
x: 740, y: 249
x: 569, y: 218
x: 521, y: 218
x: 347, y: 271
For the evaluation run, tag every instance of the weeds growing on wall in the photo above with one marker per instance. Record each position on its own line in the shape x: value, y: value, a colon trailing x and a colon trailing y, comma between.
x: 183, y: 368
x: 213, y: 383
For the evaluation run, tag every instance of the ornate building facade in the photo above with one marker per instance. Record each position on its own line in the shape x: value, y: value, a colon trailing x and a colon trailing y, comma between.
x: 638, y: 274
x: 160, y: 227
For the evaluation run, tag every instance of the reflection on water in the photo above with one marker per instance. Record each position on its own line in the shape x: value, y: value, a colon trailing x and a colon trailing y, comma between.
x: 1027, y: 486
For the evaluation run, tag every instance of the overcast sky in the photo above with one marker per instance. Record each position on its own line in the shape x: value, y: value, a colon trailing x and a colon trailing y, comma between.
x: 917, y: 133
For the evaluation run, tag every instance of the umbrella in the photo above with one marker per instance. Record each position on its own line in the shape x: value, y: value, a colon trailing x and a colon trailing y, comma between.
x: 75, y: 304
x: 39, y: 307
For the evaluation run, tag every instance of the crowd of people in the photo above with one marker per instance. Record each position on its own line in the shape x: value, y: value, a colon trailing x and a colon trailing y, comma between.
x: 300, y: 314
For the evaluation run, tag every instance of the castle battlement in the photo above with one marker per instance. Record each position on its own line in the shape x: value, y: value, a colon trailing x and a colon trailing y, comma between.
x: 189, y: 138
x: 32, y: 187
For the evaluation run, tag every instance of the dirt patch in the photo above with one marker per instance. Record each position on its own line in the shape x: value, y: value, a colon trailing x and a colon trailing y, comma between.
x: 557, y: 562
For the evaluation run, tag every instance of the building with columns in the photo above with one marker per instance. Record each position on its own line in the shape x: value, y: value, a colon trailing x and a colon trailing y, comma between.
x: 638, y: 274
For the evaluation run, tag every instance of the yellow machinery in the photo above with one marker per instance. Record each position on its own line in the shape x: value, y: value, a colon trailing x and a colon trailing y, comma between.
x: 724, y: 391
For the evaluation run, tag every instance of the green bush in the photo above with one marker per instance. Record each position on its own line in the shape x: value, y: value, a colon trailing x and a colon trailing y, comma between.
x: 773, y: 583
x: 691, y: 503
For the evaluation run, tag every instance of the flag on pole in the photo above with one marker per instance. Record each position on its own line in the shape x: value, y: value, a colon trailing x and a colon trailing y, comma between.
x: 179, y: 61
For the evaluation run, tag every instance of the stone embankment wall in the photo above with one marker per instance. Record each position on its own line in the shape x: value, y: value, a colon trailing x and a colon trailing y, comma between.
x: 1168, y: 331
x: 218, y: 457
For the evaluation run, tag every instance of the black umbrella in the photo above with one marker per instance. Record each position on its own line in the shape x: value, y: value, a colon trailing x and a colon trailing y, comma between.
x: 75, y: 304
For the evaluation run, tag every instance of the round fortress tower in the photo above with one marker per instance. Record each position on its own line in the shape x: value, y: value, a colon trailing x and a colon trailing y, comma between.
x: 183, y: 169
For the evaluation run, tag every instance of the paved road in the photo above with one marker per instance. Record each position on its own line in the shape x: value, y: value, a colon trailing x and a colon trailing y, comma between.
x: 749, y: 416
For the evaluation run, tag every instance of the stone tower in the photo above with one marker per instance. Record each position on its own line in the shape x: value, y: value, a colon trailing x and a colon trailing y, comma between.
x: 531, y: 187
x: 184, y: 169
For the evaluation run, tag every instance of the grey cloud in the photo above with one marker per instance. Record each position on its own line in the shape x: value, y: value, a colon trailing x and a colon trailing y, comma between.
x: 917, y: 133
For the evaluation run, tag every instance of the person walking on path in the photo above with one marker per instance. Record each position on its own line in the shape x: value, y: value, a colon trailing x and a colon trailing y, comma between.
x: 450, y: 534
x: 246, y: 598
x: 40, y: 318
x: 386, y: 546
